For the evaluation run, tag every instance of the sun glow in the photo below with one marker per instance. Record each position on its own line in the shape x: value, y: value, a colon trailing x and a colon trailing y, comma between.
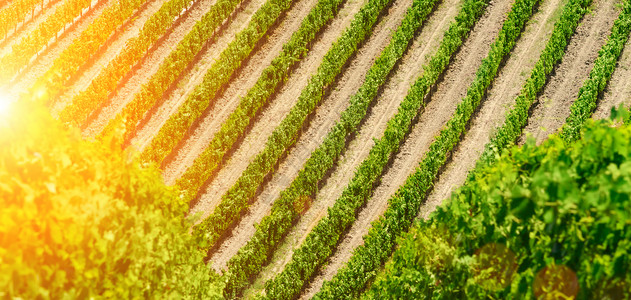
x: 5, y: 103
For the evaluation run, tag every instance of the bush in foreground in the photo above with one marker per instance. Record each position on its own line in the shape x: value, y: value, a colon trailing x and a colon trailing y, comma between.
x: 546, y: 222
x: 78, y: 220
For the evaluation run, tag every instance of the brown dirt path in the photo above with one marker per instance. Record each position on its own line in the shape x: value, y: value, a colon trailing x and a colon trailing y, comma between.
x: 31, y: 23
x: 211, y: 121
x: 424, y: 45
x: 463, y: 69
x: 324, y: 119
x: 271, y: 116
x: 553, y: 106
x: 619, y: 89
x: 192, y: 77
x: 110, y: 52
x: 436, y: 114
x: 500, y: 98
x: 45, y: 60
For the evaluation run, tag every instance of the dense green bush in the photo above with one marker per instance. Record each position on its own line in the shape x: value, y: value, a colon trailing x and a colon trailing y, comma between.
x: 543, y: 220
x: 77, y: 220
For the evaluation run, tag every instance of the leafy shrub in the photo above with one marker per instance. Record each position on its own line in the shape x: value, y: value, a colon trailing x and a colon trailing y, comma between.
x: 561, y: 211
x: 78, y: 220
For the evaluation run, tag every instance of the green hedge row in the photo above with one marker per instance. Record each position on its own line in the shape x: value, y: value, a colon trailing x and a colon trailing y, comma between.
x: 135, y: 49
x: 599, y: 76
x: 53, y: 83
x: 322, y: 240
x: 287, y: 208
x: 234, y: 203
x: 30, y: 45
x: 174, y: 130
x: 552, y: 54
x: 380, y: 241
x: 350, y: 280
x: 261, y: 93
x: 170, y: 69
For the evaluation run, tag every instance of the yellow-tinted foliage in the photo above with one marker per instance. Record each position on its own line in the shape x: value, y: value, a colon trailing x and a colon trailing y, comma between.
x: 78, y: 220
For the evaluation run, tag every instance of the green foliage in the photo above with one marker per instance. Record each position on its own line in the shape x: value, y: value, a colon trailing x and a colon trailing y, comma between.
x: 260, y: 94
x: 77, y: 220
x: 84, y: 103
x: 215, y: 79
x: 236, y: 199
x: 54, y: 82
x: 288, y: 207
x: 435, y: 260
x: 170, y: 69
x: 560, y: 208
x: 403, y: 207
x: 552, y: 54
x: 29, y: 46
x: 599, y: 76
x: 322, y: 240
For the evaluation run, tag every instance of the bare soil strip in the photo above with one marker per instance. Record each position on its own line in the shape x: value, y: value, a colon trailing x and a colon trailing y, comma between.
x: 45, y: 60
x: 619, y: 89
x: 553, y: 106
x: 192, y: 146
x: 393, y: 94
x: 110, y: 52
x: 500, y: 99
x: 193, y: 76
x: 324, y: 119
x: 25, y: 29
x: 447, y: 96
x: 186, y: 84
x: 439, y: 110
x: 264, y: 125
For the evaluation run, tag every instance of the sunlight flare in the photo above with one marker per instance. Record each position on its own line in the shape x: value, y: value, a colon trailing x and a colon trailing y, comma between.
x: 5, y: 103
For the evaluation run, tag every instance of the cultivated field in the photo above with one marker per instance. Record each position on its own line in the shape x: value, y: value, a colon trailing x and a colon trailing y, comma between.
x: 288, y: 125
